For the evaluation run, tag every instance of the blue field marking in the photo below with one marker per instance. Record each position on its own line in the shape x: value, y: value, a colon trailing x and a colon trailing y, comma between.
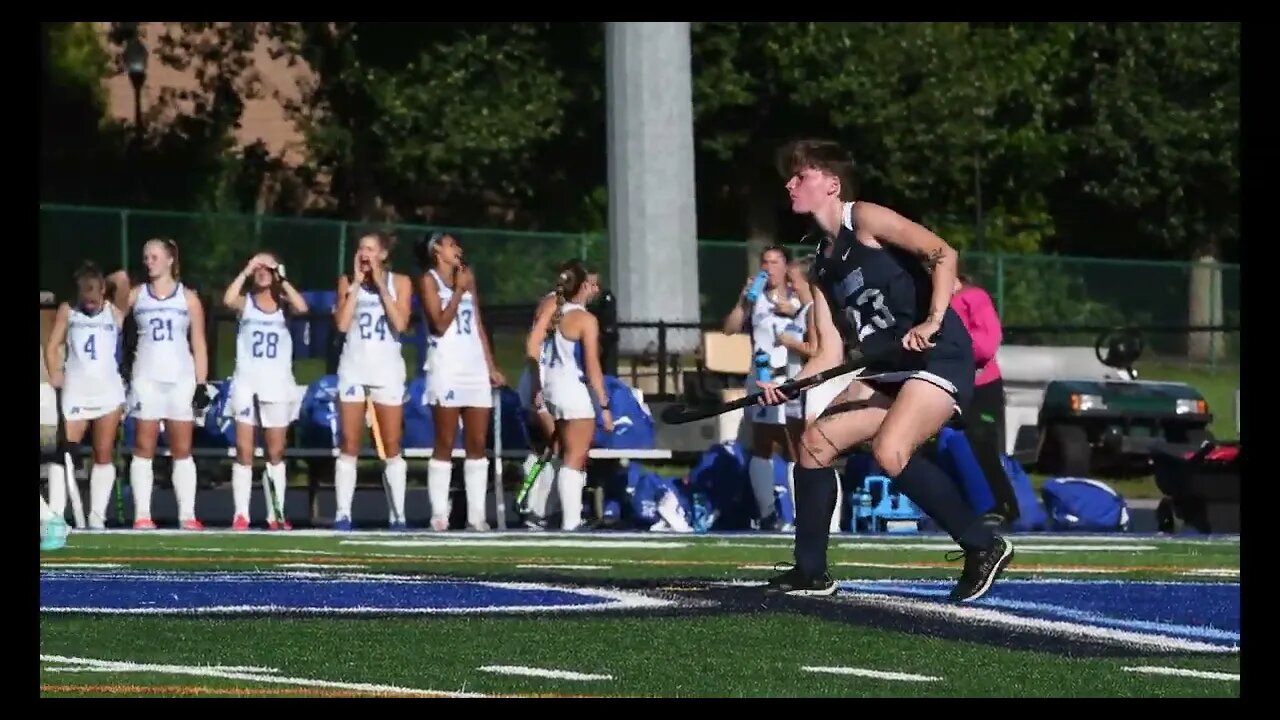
x: 142, y: 592
x: 1201, y: 611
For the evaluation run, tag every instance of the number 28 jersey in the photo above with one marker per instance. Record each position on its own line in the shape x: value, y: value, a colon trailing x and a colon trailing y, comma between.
x: 264, y: 354
x: 876, y: 295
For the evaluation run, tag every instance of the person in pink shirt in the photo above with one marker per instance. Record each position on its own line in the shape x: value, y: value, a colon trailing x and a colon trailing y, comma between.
x: 985, y: 430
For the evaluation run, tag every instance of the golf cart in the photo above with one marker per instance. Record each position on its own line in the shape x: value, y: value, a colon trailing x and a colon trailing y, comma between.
x: 1105, y: 418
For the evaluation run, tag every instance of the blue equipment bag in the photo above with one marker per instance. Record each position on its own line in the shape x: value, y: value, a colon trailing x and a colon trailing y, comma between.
x: 1081, y: 504
x: 958, y: 460
x: 632, y: 424
x: 1031, y: 514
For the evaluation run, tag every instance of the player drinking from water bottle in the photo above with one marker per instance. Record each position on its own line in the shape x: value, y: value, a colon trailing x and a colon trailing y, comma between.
x: 373, y: 310
x: 169, y: 374
x: 883, y: 283
x: 461, y: 376
x: 82, y: 362
x: 264, y: 370
x: 766, y: 307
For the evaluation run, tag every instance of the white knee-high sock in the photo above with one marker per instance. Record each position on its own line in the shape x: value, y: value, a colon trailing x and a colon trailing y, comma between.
x: 475, y: 475
x: 835, y: 514
x: 140, y: 479
x: 541, y: 490
x: 45, y: 512
x: 241, y: 488
x: 791, y: 489
x: 278, y: 484
x: 344, y: 484
x: 570, y: 483
x: 397, y: 470
x: 439, y: 473
x: 184, y: 487
x: 760, y: 471
x: 57, y: 489
x: 102, y: 478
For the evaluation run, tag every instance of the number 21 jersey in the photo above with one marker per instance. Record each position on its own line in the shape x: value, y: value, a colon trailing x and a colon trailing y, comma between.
x: 164, y: 351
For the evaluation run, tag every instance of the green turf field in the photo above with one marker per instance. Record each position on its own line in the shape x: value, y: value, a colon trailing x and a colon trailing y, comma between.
x: 622, y: 614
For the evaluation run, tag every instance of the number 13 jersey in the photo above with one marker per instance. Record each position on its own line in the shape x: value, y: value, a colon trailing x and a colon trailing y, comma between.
x: 457, y: 371
x: 264, y: 354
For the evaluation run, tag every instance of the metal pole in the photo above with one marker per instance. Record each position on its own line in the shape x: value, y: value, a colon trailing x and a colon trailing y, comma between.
x: 499, y: 501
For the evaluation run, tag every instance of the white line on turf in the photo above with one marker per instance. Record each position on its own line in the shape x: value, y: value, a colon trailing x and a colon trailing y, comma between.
x: 213, y: 671
x: 81, y: 566
x: 877, y: 674
x: 1183, y: 672
x: 564, y: 567
x: 320, y: 566
x: 516, y: 542
x: 541, y: 672
x: 111, y: 668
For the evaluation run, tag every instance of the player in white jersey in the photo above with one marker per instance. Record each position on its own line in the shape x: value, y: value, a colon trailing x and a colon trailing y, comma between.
x: 373, y: 311
x: 264, y: 370
x: 538, y: 418
x: 572, y: 376
x: 82, y: 362
x: 170, y: 369
x: 774, y: 429
x: 461, y: 376
x: 801, y: 340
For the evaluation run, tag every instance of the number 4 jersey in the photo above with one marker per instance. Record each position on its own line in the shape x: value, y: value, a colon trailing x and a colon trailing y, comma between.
x: 264, y: 354
x: 876, y: 295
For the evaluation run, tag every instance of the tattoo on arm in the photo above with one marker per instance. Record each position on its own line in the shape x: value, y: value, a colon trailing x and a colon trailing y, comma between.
x: 933, y: 258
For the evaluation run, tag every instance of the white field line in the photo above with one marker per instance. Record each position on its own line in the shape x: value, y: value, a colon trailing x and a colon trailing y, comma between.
x: 864, y: 672
x: 227, y: 674
x: 512, y: 542
x: 1183, y: 672
x: 541, y: 672
x: 532, y: 566
x: 987, y: 616
x: 81, y: 566
x: 315, y: 566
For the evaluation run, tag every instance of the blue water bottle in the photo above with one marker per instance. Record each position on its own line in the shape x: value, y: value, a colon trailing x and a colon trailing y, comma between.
x: 761, y: 361
x: 757, y: 286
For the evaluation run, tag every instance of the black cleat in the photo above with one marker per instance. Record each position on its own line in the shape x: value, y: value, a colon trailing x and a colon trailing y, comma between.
x: 793, y: 582
x: 981, y: 568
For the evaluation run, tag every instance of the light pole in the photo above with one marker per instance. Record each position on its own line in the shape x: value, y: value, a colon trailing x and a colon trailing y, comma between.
x: 135, y: 63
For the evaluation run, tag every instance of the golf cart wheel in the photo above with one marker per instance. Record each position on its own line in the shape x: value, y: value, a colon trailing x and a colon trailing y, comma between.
x: 1068, y: 452
x: 1167, y: 521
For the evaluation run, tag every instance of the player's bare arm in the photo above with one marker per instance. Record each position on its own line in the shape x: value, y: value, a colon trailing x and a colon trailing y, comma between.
x: 199, y: 344
x: 939, y: 257
x: 56, y: 345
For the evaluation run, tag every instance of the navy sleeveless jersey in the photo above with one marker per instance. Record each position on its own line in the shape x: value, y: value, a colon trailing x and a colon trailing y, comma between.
x: 876, y: 295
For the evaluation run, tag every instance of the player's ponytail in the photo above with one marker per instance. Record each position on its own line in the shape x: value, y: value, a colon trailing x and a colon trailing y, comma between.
x: 172, y: 246
x: 570, y: 279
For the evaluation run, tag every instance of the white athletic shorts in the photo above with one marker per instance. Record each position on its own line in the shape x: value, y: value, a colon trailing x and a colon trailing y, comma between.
x: 389, y: 394
x: 275, y: 413
x: 153, y: 400
x: 569, y: 400
x: 451, y: 390
x: 771, y: 414
x: 817, y: 399
x: 82, y: 405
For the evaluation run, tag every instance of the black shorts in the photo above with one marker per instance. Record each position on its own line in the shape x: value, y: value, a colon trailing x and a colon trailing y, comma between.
x: 950, y: 370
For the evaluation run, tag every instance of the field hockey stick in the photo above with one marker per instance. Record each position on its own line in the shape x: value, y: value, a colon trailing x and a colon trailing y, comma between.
x: 260, y: 433
x: 371, y: 417
x: 68, y: 465
x: 858, y: 359
x: 534, y: 471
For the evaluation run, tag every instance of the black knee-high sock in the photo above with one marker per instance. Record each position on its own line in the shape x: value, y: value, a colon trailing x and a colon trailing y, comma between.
x: 815, y: 499
x: 940, y: 498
